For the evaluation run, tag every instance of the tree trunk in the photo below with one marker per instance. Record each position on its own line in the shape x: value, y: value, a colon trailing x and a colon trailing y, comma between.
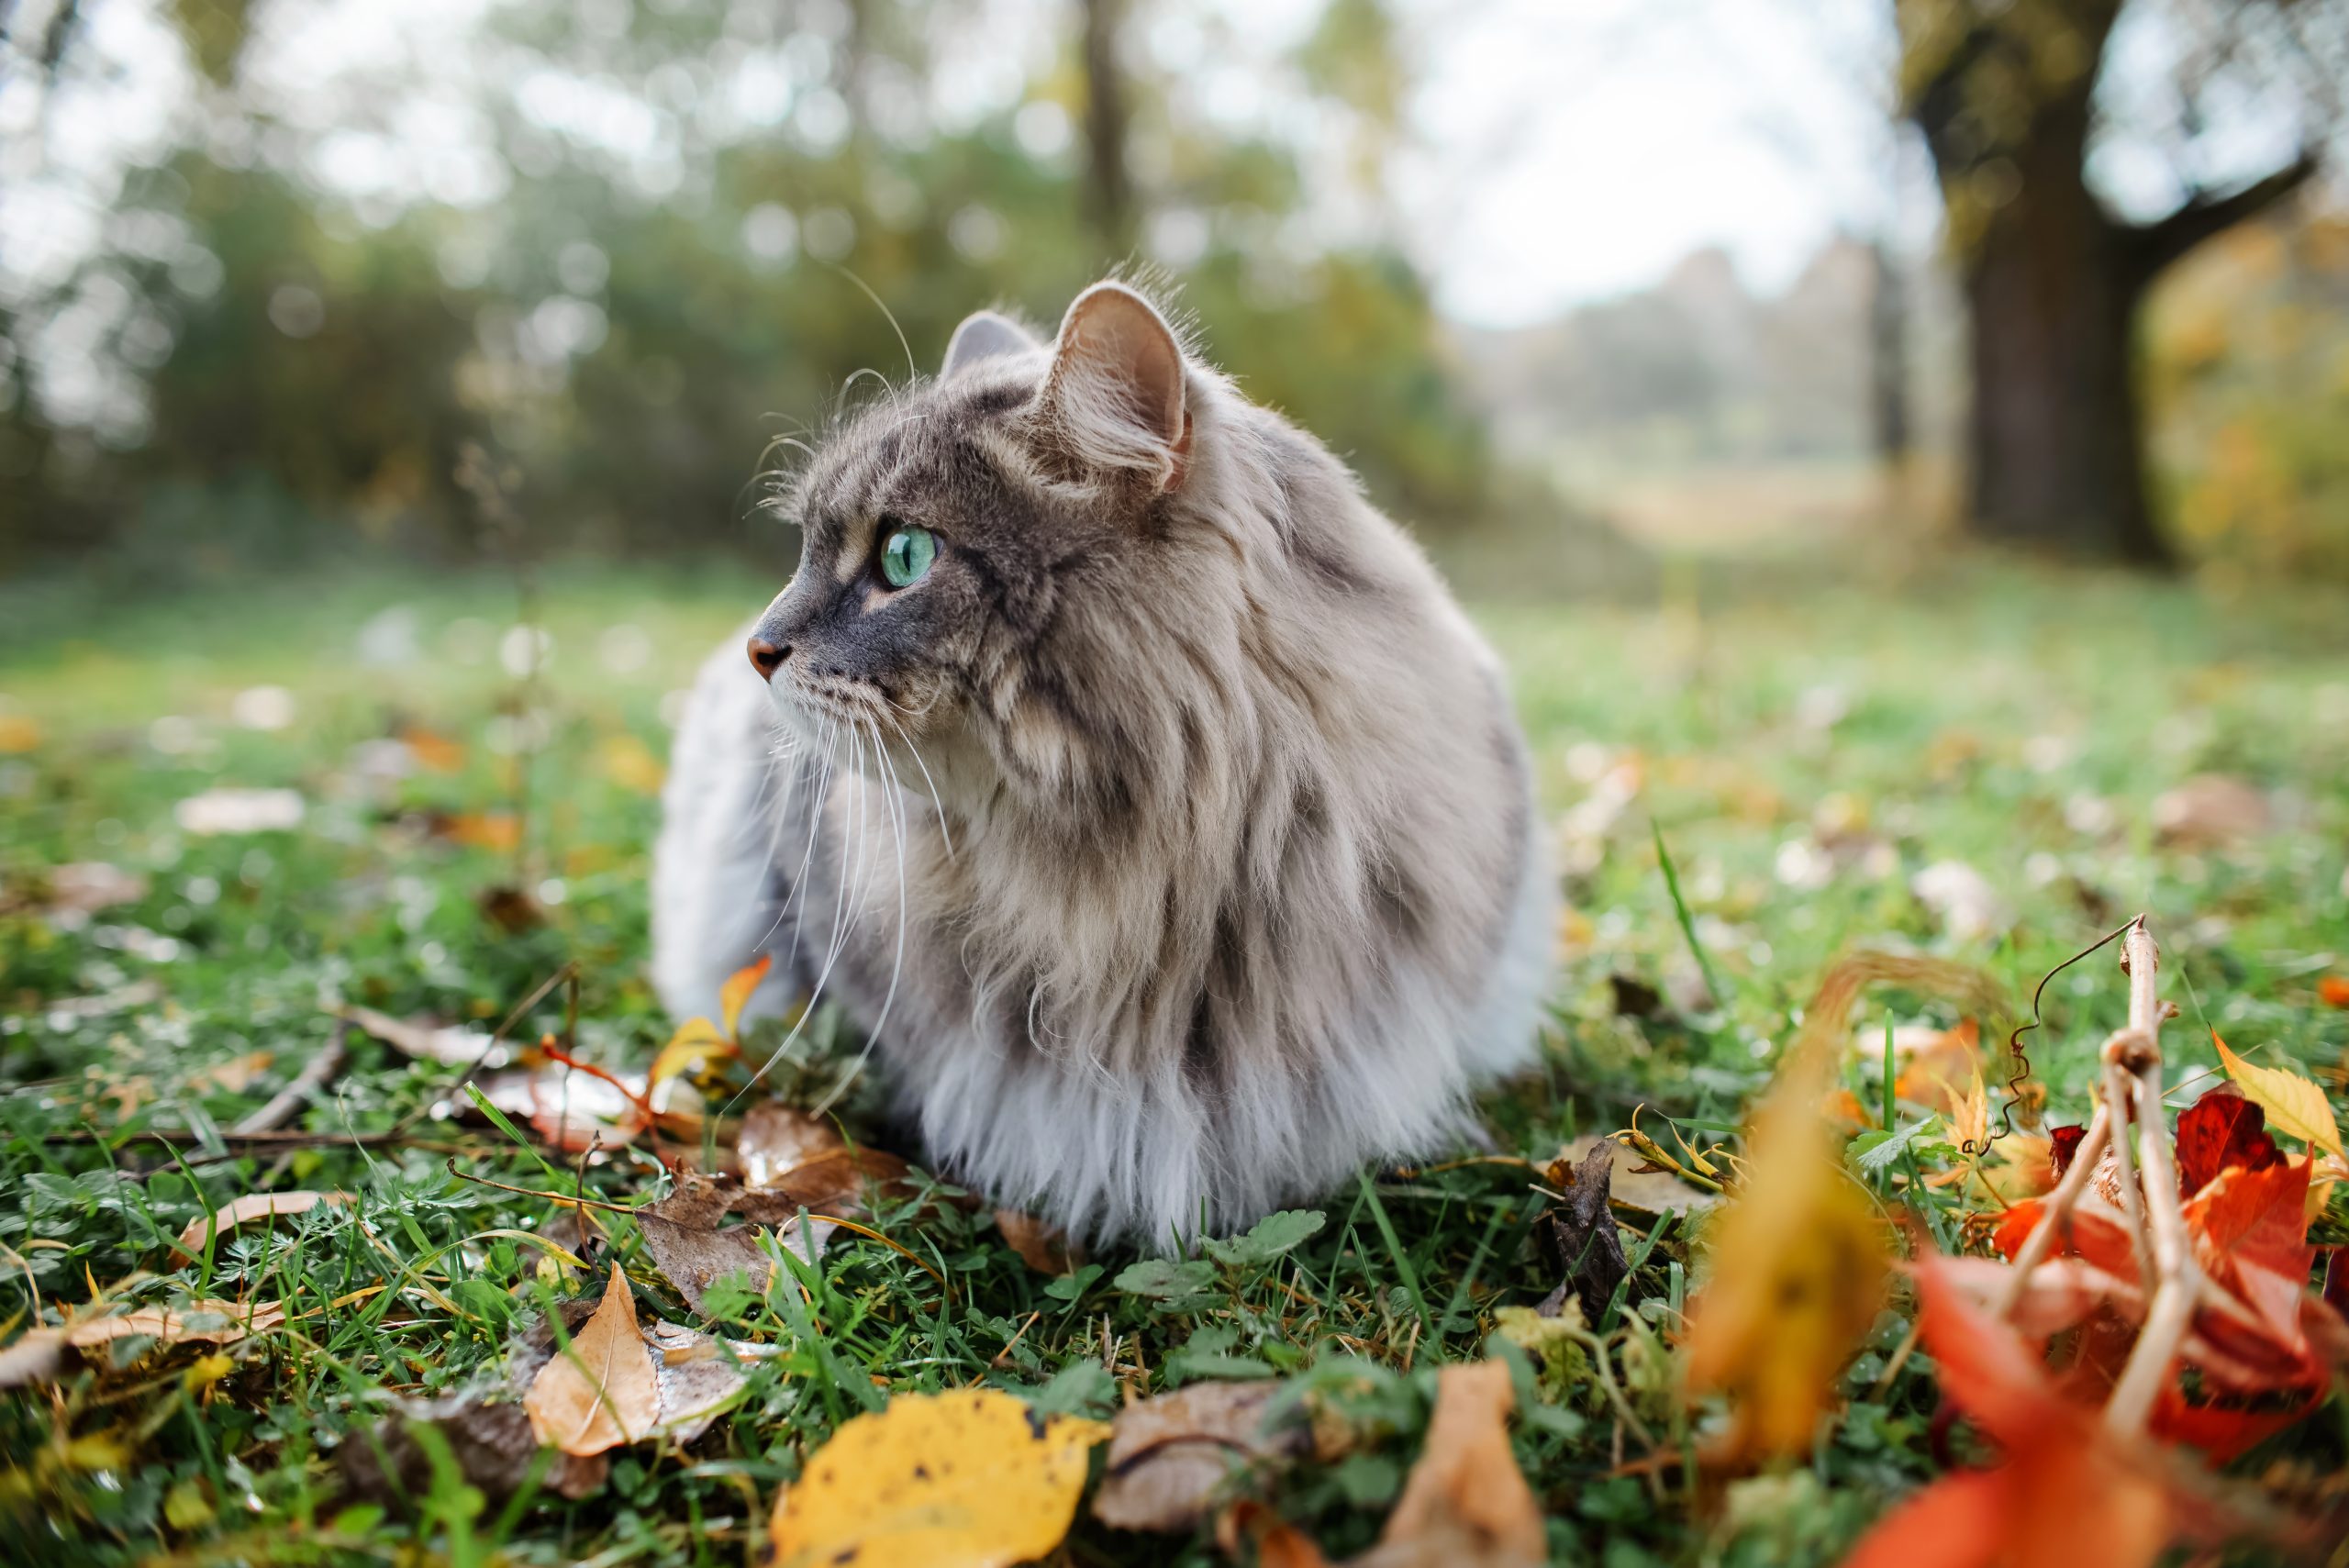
x: 1110, y: 188
x: 1891, y: 425
x: 2055, y: 448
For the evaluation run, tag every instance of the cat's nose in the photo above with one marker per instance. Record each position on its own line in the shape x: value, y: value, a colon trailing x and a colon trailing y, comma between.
x: 766, y: 657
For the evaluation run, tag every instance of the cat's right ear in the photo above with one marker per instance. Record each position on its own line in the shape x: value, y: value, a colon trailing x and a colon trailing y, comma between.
x: 1117, y: 392
x: 984, y: 335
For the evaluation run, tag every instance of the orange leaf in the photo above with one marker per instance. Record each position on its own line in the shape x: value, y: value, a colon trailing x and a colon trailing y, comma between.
x: 1466, y: 1488
x: 2066, y: 1494
x: 735, y: 995
x: 2334, y: 990
x: 604, y: 1391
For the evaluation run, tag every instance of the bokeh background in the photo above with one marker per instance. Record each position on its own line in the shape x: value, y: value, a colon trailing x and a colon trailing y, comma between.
x: 1581, y: 286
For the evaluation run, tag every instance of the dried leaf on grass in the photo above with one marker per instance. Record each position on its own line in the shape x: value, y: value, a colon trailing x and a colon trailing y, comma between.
x: 682, y: 1233
x: 1044, y: 1247
x: 37, y: 1355
x: 252, y: 1207
x: 1465, y: 1505
x: 450, y: 1047
x: 972, y: 1479
x: 210, y: 1322
x: 603, y: 1392
x: 1578, y: 1241
x: 1171, y: 1457
x: 493, y: 1445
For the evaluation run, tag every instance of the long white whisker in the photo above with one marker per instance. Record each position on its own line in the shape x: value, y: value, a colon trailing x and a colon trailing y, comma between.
x: 897, y: 965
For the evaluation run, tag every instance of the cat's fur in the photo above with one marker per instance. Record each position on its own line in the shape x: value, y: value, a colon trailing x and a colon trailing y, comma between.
x: 1173, y: 838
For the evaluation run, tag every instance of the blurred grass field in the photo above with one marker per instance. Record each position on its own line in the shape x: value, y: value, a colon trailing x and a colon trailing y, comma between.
x: 1990, y: 762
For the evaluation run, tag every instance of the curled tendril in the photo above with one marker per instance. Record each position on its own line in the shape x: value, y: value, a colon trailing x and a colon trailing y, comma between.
x: 2015, y: 1052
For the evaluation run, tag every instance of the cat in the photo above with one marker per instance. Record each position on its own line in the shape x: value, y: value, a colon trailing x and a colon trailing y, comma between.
x: 1136, y: 787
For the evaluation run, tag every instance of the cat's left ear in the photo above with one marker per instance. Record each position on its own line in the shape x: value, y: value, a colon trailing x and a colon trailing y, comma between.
x: 984, y: 335
x: 1116, y: 392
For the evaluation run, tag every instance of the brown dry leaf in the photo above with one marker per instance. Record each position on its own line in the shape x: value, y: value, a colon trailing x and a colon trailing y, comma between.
x: 787, y: 1151
x: 682, y: 1232
x: 88, y: 886
x: 235, y: 1075
x: 37, y: 1356
x: 972, y: 1479
x: 2211, y: 811
x: 255, y: 1205
x: 450, y: 1047
x: 1651, y: 1192
x: 211, y: 1322
x: 777, y: 1140
x: 1170, y: 1457
x: 605, y: 1391
x: 1044, y: 1247
x: 1466, y: 1504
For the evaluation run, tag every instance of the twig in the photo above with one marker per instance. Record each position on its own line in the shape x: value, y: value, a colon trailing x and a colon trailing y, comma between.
x: 288, y: 1102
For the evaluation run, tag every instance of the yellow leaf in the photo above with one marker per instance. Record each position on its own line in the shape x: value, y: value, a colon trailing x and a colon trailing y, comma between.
x: 603, y: 1392
x: 972, y: 1479
x: 2295, y: 1107
x: 692, y: 1053
x: 735, y: 995
x: 630, y: 764
x: 17, y: 733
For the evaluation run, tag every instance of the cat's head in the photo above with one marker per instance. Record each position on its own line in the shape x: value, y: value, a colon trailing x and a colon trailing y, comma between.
x: 974, y: 548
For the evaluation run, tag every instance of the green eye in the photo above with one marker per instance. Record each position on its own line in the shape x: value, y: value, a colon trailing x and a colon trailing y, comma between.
x: 905, y: 556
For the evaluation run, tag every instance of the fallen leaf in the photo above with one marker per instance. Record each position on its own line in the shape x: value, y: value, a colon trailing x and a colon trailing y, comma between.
x: 436, y: 753
x: 1628, y: 1187
x: 2222, y: 1128
x: 254, y: 1205
x: 1171, y: 1457
x: 1578, y: 1241
x: 1968, y: 907
x: 499, y: 831
x: 603, y: 1392
x: 210, y: 1322
x: 226, y: 811
x: 972, y: 1479
x: 18, y: 733
x: 492, y: 1444
x: 2332, y: 990
x: 803, y: 1162
x: 88, y: 886
x: 2211, y: 811
x: 1798, y: 1264
x: 1466, y: 1504
x: 682, y: 1231
x: 37, y: 1355
x: 2066, y: 1494
x: 2295, y: 1107
x: 1044, y: 1247
x: 425, y: 1042
x: 630, y: 763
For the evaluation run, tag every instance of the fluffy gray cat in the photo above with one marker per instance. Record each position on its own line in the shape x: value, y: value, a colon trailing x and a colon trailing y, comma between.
x: 1137, y: 789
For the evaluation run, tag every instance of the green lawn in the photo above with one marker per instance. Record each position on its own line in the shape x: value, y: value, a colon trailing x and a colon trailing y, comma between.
x: 1807, y: 751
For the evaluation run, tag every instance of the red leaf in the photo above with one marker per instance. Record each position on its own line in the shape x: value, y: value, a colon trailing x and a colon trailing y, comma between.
x: 2223, y: 1433
x: 2219, y: 1130
x: 2063, y: 1143
x: 2095, y: 1235
x: 1957, y: 1522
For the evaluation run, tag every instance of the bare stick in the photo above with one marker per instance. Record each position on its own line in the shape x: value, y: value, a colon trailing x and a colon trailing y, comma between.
x: 288, y: 1102
x: 2180, y: 1282
x: 2057, y: 1219
x: 2117, y: 1087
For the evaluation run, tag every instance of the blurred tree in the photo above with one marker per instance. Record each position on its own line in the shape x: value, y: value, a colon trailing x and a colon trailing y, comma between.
x: 655, y: 255
x: 1109, y: 185
x: 2006, y: 92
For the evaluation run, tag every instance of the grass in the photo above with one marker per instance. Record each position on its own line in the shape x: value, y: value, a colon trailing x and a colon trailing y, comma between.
x: 1801, y: 751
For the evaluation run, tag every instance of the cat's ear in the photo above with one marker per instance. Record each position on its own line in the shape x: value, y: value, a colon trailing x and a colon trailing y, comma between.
x: 1116, y: 390
x: 984, y: 335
